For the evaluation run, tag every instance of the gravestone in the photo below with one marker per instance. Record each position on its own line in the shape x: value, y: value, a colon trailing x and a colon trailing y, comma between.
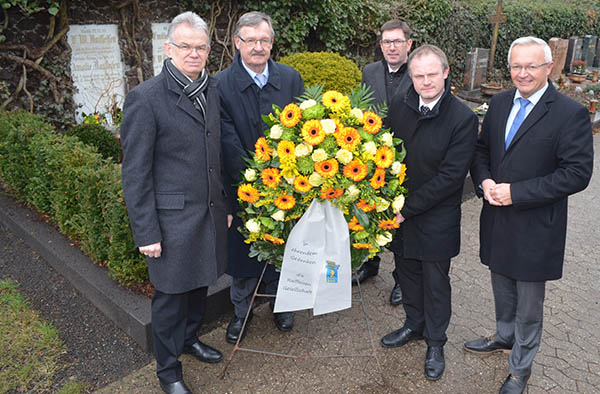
x: 96, y: 68
x: 573, y: 52
x: 589, y: 49
x: 559, y: 47
x: 476, y: 64
x: 597, y: 58
x: 159, y: 36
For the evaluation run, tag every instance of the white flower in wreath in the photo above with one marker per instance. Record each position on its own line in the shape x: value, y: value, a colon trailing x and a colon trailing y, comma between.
x: 315, y: 179
x: 276, y: 132
x: 289, y: 179
x: 279, y: 216
x: 344, y: 156
x: 370, y: 147
x: 357, y: 113
x: 387, y: 139
x: 253, y: 226
x: 301, y: 150
x: 396, y: 167
x: 398, y: 203
x: 307, y: 104
x: 328, y: 125
x: 250, y: 175
x: 353, y: 192
x: 381, y: 205
x: 319, y: 155
x: 383, y: 239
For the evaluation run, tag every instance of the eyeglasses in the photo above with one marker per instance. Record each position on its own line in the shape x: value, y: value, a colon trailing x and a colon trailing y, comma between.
x: 186, y: 49
x: 396, y: 43
x: 529, y: 68
x: 251, y: 42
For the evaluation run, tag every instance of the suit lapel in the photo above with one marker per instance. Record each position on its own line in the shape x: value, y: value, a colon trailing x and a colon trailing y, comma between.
x: 505, y: 106
x: 184, y: 103
x: 380, y: 89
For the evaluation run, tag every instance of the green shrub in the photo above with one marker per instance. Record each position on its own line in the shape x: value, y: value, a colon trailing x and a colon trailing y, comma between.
x: 72, y: 183
x: 98, y: 136
x: 332, y: 70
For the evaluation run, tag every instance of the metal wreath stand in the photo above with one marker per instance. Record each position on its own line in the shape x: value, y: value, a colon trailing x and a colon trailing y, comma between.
x: 237, y: 346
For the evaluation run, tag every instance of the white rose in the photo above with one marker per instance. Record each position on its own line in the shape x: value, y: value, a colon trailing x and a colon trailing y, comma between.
x: 357, y: 113
x: 396, y: 167
x: 319, y: 155
x: 328, y: 125
x: 307, y: 104
x: 253, y: 226
x: 250, y: 175
x: 289, y: 179
x: 398, y: 203
x: 352, y: 192
x: 301, y: 150
x: 387, y: 139
x: 383, y: 239
x: 370, y: 148
x: 381, y: 205
x: 279, y: 216
x: 315, y: 179
x: 344, y: 156
x: 276, y: 132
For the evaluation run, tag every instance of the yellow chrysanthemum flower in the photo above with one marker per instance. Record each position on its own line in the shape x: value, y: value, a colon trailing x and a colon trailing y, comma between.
x: 270, y: 177
x: 301, y: 184
x: 286, y: 150
x: 285, y: 202
x: 248, y: 193
x: 384, y: 157
x: 262, y: 149
x: 290, y: 116
x: 313, y: 132
x: 372, y: 122
x: 333, y: 100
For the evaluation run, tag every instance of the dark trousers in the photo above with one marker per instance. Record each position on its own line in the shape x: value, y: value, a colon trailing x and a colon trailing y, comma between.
x: 176, y: 319
x: 426, y: 297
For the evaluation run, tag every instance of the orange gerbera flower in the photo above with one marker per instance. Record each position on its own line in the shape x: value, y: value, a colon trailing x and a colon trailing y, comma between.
x: 248, y: 193
x: 358, y: 245
x: 274, y: 240
x: 384, y: 157
x: 285, y: 202
x: 327, y: 168
x: 286, y: 150
x: 301, y: 184
x: 313, y: 132
x: 372, y: 122
x: 290, y: 116
x: 270, y: 177
x: 362, y: 204
x: 348, y: 138
x: 331, y: 193
x: 378, y: 179
x: 262, y: 149
x: 354, y: 225
x: 356, y: 170
x: 388, y: 224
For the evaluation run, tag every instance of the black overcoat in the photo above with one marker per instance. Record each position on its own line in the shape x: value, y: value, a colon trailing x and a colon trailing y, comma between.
x: 373, y: 75
x: 550, y: 157
x: 242, y: 107
x: 439, y: 151
x: 172, y: 182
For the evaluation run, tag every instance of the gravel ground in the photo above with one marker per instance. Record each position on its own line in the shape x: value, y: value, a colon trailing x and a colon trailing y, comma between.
x: 98, y: 352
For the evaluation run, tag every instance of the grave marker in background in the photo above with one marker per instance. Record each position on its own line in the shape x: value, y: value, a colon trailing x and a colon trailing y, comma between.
x: 159, y: 36
x: 559, y: 47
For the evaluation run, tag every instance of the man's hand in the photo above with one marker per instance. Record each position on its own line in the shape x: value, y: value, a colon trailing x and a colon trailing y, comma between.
x: 488, y: 185
x: 501, y: 193
x: 399, y: 218
x: 152, y: 251
x: 229, y: 220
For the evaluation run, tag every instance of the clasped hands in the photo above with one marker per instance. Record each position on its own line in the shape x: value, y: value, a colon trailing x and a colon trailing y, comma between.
x: 497, y: 194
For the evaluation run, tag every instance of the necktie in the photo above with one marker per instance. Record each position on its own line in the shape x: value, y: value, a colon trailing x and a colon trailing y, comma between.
x: 260, y: 79
x: 517, y: 122
x: 424, y: 110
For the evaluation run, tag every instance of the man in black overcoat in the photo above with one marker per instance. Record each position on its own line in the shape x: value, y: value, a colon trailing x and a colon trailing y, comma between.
x: 249, y: 88
x: 535, y: 150
x: 174, y: 193
x: 385, y: 78
x: 439, y: 134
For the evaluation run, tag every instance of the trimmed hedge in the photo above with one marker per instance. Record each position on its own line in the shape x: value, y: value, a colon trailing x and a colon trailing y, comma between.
x: 73, y: 184
x: 100, y: 137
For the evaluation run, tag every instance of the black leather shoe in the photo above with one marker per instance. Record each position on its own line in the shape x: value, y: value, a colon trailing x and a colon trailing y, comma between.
x: 368, y: 269
x: 235, y: 328
x: 396, y: 296
x: 400, y: 337
x: 514, y: 384
x: 178, y: 387
x: 434, y: 362
x: 486, y: 345
x: 284, y: 320
x: 203, y: 352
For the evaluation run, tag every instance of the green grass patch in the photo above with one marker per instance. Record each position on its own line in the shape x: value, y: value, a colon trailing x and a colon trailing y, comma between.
x: 30, y: 348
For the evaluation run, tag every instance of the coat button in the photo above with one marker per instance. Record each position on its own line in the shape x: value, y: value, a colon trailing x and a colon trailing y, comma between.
x: 208, y: 133
x: 212, y: 204
x: 210, y: 169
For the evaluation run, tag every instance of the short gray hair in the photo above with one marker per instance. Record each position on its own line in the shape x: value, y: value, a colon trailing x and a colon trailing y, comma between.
x: 253, y: 18
x: 532, y: 41
x: 188, y: 18
x: 425, y: 50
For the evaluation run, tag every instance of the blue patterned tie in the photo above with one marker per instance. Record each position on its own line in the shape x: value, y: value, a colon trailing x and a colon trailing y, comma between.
x: 260, y: 79
x: 517, y: 122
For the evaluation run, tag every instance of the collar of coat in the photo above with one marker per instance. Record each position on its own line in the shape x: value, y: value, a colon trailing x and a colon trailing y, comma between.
x: 243, y: 79
x: 184, y: 101
x: 411, y: 99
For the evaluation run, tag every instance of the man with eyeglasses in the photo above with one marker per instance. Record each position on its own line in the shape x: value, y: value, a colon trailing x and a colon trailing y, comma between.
x: 249, y: 88
x: 174, y: 194
x: 535, y: 149
x: 386, y: 77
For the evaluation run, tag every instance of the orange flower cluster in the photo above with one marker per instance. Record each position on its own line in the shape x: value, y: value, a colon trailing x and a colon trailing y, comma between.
x: 331, y: 193
x: 291, y: 115
x: 327, y: 168
x: 356, y: 170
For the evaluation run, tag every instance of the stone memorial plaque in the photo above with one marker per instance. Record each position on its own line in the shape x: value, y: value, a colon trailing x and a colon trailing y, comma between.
x: 589, y: 50
x: 597, y: 58
x: 559, y: 47
x: 573, y: 52
x: 96, y: 68
x: 475, y: 68
x: 159, y: 36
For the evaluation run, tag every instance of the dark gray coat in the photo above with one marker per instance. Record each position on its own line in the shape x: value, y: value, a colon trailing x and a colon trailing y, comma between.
x: 550, y: 158
x: 242, y: 107
x: 172, y: 183
x: 373, y: 75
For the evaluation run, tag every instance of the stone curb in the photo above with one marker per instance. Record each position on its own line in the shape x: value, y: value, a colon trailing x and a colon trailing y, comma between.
x: 128, y: 310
